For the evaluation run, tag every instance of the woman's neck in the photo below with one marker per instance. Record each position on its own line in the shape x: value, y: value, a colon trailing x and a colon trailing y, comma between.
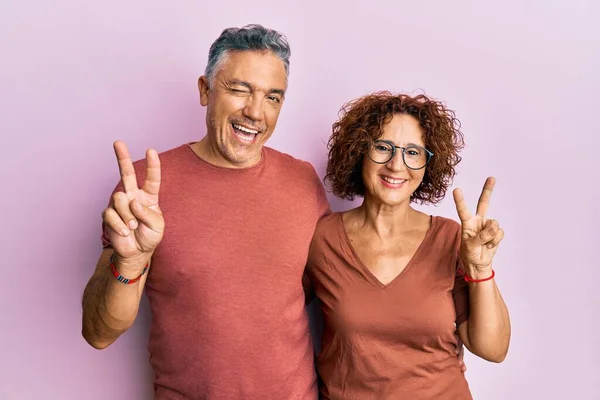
x: 385, y: 220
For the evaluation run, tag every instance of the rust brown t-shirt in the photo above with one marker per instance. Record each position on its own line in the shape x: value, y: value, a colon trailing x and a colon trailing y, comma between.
x: 224, y: 286
x: 394, y: 341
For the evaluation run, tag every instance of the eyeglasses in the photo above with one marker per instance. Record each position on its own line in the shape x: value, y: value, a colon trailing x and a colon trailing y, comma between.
x: 414, y: 157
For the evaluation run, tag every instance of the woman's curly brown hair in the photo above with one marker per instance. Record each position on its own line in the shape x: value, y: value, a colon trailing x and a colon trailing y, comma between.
x: 361, y: 122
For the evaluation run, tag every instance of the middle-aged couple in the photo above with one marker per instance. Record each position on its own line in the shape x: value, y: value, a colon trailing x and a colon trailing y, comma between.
x: 243, y: 237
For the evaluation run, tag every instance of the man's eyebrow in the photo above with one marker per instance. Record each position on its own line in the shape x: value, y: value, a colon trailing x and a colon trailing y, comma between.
x: 280, y: 92
x: 233, y: 82
x: 249, y: 86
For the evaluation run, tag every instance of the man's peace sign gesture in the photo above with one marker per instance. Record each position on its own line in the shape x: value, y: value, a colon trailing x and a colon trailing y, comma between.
x: 134, y: 218
x: 480, y: 236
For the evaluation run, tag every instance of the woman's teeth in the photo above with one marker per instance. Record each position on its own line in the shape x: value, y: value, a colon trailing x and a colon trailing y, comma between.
x: 392, y: 180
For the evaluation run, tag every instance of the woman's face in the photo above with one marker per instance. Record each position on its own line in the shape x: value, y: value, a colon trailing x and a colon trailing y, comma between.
x: 393, y: 183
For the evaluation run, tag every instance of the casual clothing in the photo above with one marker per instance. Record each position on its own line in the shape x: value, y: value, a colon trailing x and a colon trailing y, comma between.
x: 225, y: 282
x: 394, y: 341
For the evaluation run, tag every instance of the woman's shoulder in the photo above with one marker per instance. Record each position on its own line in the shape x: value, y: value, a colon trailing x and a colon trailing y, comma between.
x: 446, y: 227
x: 446, y: 223
x: 326, y: 240
x: 328, y: 223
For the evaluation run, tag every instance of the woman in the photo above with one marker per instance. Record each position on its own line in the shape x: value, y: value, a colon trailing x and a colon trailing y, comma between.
x: 395, y: 284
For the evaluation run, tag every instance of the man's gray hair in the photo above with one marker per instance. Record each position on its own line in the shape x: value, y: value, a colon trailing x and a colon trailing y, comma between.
x: 247, y: 38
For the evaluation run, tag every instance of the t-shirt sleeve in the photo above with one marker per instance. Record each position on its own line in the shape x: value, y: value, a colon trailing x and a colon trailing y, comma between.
x: 323, y: 207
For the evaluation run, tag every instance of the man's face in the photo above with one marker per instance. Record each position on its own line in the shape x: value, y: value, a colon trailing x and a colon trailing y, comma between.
x: 243, y: 104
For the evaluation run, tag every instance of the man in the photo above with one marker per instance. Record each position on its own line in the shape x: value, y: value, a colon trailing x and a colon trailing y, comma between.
x: 221, y: 256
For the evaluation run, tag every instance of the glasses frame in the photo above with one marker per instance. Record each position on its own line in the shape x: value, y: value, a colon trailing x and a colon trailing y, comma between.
x: 394, y: 147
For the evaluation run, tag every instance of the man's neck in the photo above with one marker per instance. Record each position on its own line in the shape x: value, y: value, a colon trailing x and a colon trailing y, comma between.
x: 208, y: 152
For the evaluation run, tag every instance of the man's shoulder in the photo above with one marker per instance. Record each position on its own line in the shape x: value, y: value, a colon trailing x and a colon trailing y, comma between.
x: 169, y: 156
x: 281, y: 157
x: 289, y: 162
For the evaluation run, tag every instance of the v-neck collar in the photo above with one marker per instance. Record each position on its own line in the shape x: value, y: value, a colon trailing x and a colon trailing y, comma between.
x: 367, y: 272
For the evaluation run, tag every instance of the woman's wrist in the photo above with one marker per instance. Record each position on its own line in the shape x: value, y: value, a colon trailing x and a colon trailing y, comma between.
x: 478, y: 274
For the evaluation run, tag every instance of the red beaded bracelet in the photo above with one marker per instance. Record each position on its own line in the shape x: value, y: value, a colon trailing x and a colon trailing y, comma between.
x: 120, y: 277
x: 469, y: 279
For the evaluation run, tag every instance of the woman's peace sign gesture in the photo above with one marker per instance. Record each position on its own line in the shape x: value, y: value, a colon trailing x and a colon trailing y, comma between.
x: 480, y: 235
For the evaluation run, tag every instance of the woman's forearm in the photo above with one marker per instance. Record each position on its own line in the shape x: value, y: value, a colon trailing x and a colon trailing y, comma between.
x: 488, y: 327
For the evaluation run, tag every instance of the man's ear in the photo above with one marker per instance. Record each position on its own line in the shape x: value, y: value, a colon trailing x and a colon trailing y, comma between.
x: 203, y: 89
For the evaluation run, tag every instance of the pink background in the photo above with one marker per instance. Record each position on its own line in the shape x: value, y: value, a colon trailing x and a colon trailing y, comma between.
x: 77, y: 75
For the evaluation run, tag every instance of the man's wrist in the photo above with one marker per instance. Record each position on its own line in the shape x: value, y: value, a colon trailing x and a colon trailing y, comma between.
x: 130, y: 268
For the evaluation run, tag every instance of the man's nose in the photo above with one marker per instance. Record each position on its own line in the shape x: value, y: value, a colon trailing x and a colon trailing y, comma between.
x: 253, y: 109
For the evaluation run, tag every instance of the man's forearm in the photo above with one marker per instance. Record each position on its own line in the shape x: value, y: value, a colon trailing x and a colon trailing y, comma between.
x: 109, y: 308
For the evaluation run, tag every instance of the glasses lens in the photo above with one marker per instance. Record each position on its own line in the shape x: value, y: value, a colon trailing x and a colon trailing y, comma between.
x: 381, y: 152
x: 415, y: 157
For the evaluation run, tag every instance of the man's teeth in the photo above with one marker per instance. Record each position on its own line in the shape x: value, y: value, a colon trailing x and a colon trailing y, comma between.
x: 245, y: 138
x: 392, y: 180
x: 244, y: 129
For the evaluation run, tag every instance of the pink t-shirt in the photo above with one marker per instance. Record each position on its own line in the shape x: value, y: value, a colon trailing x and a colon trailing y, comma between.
x: 225, y: 285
